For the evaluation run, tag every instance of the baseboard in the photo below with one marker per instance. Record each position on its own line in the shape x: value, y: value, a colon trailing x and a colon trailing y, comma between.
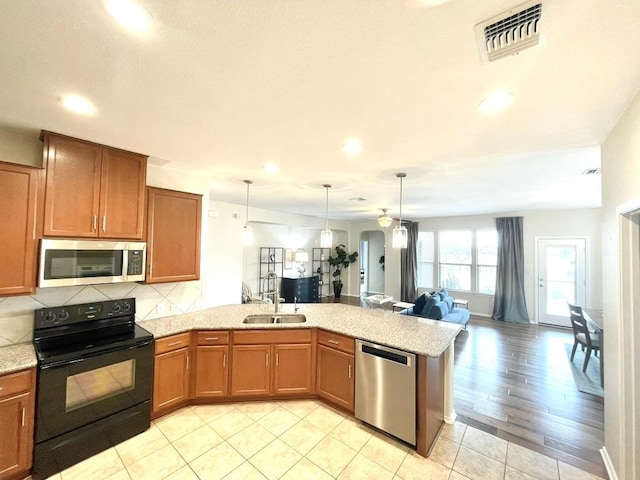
x: 608, y: 464
x: 450, y: 419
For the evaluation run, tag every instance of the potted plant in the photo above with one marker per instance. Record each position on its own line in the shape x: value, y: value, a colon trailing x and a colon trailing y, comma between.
x: 340, y: 261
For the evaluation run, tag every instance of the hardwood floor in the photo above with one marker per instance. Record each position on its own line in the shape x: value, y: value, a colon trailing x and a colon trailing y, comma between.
x: 514, y: 381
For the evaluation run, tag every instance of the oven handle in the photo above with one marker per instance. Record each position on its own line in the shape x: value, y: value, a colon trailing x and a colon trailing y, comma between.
x: 89, y: 355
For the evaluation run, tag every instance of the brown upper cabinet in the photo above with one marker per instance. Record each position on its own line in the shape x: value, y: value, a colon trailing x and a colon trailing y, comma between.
x: 19, y: 196
x: 173, y: 235
x: 92, y: 190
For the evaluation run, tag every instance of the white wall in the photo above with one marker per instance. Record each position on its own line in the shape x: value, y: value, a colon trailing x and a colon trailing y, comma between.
x: 20, y: 147
x: 578, y: 222
x: 620, y: 184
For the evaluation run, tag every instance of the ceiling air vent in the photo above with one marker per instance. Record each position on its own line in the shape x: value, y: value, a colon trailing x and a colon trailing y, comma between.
x: 591, y: 171
x: 510, y: 32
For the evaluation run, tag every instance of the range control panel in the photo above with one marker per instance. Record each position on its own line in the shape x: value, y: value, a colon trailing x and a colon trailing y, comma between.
x: 69, y: 314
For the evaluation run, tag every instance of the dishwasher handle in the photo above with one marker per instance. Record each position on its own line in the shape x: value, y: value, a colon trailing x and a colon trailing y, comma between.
x: 387, y: 354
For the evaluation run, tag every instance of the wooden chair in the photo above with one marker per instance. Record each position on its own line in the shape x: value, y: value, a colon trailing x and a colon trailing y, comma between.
x: 582, y: 335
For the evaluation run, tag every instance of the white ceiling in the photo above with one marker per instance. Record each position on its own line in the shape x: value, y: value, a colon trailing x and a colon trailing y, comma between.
x: 222, y: 87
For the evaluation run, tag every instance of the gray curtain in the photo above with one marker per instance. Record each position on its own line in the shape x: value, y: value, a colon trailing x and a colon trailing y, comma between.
x: 509, y: 303
x: 409, y: 265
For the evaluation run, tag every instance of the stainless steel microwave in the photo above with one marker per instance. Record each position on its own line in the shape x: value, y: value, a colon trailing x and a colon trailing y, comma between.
x: 87, y: 262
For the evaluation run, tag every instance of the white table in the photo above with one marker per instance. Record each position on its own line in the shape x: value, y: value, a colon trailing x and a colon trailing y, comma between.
x: 461, y: 303
x: 378, y: 300
x: 402, y: 305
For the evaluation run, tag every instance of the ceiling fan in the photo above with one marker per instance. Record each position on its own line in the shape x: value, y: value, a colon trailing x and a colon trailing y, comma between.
x: 385, y: 220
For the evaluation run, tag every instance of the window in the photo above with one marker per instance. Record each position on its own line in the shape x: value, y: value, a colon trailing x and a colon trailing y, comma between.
x: 454, y: 255
x: 486, y: 259
x: 426, y: 259
x: 462, y: 260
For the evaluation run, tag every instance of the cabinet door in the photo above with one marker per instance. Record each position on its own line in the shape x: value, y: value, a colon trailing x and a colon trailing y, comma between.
x: 250, y: 367
x: 16, y: 434
x: 18, y: 196
x: 72, y: 187
x: 122, y: 190
x: 173, y: 236
x: 212, y: 372
x: 292, y: 369
x: 335, y: 377
x: 170, y: 379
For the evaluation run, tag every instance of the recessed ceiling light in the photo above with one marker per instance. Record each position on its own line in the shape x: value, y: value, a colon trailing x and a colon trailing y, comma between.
x: 352, y: 146
x: 358, y: 199
x: 130, y: 14
x: 496, y: 102
x: 78, y: 104
x: 270, y: 167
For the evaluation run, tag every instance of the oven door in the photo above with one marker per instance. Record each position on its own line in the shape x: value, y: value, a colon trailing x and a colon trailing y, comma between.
x: 78, y: 392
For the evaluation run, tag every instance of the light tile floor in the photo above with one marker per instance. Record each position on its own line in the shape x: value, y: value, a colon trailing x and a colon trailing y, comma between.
x: 305, y: 440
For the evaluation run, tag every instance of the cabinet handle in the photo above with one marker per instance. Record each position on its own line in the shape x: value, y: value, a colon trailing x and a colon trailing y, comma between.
x: 23, y: 415
x: 277, y: 360
x: 104, y: 224
x: 224, y: 359
x: 187, y: 362
x: 267, y: 359
x: 211, y: 338
x: 173, y: 344
x: 334, y: 342
x: 95, y: 222
x: 350, y: 370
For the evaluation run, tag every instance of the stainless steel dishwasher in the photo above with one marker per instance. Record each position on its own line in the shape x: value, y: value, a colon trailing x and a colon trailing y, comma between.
x: 386, y: 389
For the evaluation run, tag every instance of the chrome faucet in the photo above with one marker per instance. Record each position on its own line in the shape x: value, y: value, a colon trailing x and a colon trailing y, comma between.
x: 276, y: 296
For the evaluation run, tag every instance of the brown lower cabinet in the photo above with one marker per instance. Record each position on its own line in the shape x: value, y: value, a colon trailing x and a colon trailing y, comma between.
x: 171, y: 373
x: 336, y: 369
x: 16, y: 423
x: 211, y: 377
x: 274, y: 362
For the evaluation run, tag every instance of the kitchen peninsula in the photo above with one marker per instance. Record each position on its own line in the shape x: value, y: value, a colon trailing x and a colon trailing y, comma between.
x: 430, y: 340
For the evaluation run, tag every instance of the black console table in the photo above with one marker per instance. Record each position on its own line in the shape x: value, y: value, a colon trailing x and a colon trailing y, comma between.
x: 305, y: 289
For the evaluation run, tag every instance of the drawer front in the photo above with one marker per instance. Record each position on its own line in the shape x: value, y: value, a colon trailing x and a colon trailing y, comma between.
x: 174, y: 342
x: 261, y: 337
x: 15, y: 383
x: 337, y: 341
x: 213, y: 337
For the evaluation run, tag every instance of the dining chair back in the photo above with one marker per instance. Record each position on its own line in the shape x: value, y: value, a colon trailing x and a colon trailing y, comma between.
x: 582, y: 336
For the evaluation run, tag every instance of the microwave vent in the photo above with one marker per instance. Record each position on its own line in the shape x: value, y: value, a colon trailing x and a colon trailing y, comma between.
x: 509, y: 32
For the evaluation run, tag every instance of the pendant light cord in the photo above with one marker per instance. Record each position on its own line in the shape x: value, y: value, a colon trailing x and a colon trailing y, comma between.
x: 401, y: 176
x: 326, y: 211
x: 248, y: 182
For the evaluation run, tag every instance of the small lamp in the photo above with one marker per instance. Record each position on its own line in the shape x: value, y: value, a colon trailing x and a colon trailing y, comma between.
x: 301, y: 257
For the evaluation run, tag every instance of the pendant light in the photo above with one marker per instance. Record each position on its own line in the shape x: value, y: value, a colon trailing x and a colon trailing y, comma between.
x: 385, y: 220
x: 326, y: 236
x: 246, y: 238
x: 400, y: 236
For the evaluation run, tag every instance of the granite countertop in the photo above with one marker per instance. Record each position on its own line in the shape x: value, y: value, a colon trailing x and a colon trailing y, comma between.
x: 14, y: 358
x: 414, y: 334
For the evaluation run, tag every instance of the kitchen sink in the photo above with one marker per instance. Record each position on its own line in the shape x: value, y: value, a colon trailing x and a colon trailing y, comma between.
x: 275, y: 318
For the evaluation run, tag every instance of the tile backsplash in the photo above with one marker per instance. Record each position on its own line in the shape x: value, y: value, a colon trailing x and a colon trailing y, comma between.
x: 16, y: 313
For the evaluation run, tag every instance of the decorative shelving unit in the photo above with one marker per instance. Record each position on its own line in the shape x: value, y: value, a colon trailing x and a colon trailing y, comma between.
x: 320, y: 260
x: 271, y: 260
